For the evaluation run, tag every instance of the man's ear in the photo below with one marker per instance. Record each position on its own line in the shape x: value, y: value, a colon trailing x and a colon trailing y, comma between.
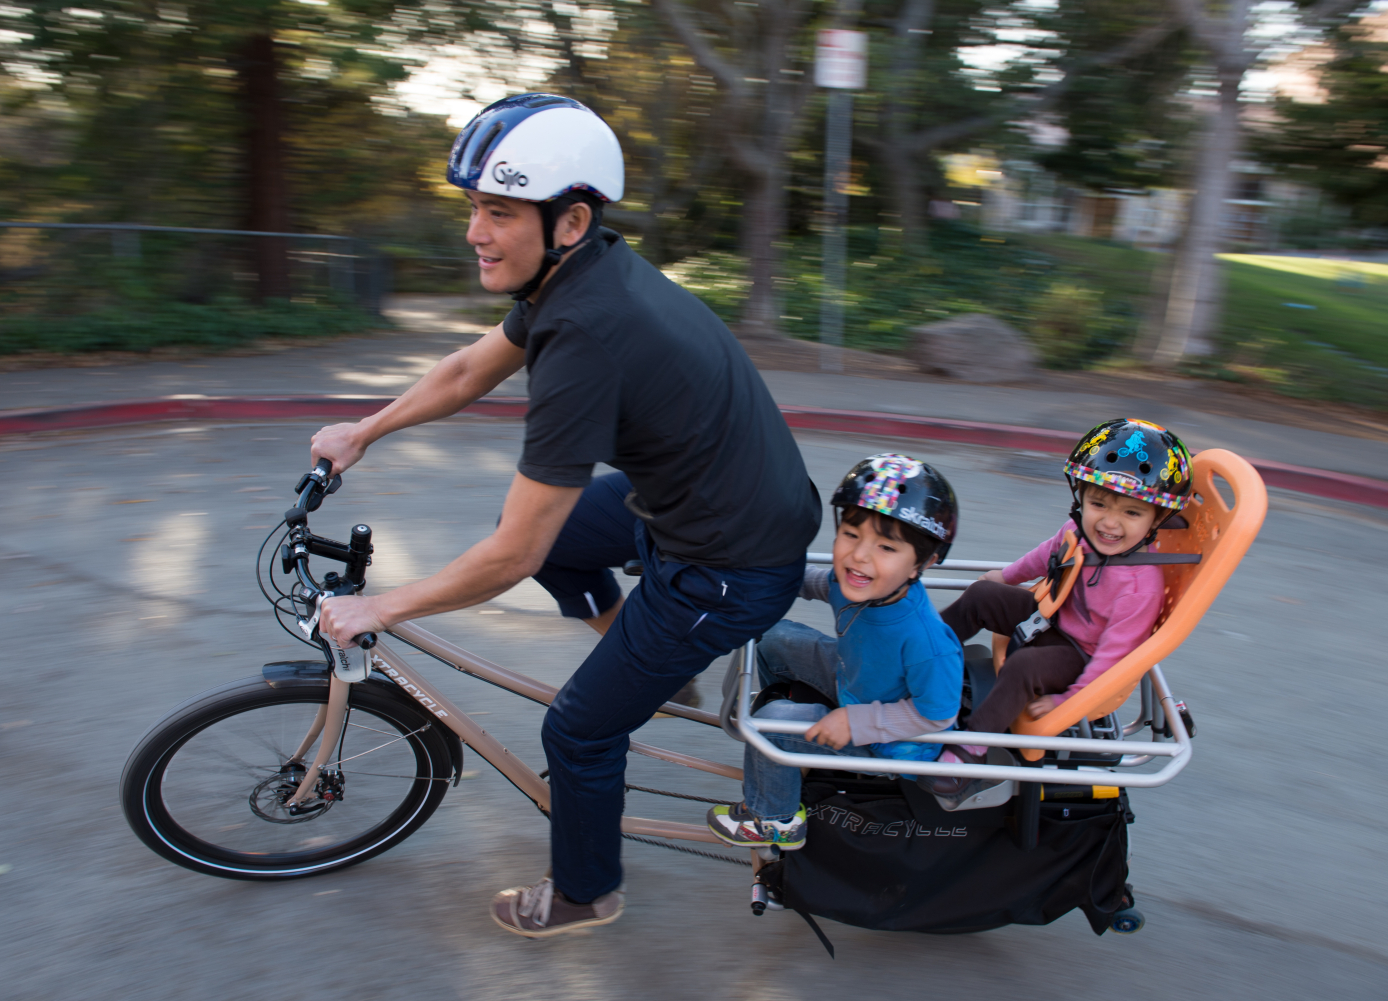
x: 573, y: 224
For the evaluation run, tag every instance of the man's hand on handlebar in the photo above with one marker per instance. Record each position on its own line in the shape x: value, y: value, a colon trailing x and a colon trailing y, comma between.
x: 346, y: 617
x: 340, y: 443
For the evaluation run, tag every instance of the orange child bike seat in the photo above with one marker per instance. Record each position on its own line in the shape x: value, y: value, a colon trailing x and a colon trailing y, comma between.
x: 1221, y: 534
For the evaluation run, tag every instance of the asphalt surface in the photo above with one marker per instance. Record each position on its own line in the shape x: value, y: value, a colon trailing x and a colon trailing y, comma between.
x: 125, y: 581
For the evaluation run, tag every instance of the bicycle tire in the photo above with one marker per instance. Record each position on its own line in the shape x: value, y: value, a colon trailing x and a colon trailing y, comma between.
x: 216, y: 725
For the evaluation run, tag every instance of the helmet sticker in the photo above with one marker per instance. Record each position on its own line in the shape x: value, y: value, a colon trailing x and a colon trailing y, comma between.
x: 913, y: 516
x: 1135, y: 445
x: 884, y: 490
x: 1172, y: 471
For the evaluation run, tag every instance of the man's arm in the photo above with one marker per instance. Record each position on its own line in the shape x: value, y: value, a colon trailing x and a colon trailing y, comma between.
x: 531, y: 520
x: 452, y: 384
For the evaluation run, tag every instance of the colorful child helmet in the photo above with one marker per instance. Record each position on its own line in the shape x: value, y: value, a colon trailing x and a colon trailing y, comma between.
x: 906, y: 489
x: 1135, y: 458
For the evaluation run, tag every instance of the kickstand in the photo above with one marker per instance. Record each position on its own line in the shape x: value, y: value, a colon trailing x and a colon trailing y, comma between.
x: 814, y: 927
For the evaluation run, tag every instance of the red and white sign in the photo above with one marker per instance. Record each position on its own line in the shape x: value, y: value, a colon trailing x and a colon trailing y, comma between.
x: 840, y: 59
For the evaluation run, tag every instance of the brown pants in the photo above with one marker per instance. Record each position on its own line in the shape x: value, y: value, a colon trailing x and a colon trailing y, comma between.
x: 1047, y: 665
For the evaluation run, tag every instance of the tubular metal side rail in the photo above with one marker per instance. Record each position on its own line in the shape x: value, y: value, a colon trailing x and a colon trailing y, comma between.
x: 1135, y: 753
x: 935, y: 583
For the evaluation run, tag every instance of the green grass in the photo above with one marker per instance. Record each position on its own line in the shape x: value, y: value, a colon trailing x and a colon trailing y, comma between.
x: 1336, y: 350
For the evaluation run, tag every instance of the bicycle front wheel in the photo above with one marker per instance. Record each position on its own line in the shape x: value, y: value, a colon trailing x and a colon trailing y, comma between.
x: 208, y: 787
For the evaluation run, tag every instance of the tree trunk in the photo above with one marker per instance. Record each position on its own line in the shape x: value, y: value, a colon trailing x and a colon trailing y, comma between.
x: 1195, y: 300
x: 268, y: 194
x: 913, y: 20
x: 763, y: 225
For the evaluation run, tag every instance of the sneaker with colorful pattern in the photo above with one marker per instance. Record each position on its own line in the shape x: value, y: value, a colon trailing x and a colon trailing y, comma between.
x: 738, y: 827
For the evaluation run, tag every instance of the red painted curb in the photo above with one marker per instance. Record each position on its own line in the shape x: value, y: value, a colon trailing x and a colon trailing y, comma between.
x: 223, y: 408
x: 1316, y: 482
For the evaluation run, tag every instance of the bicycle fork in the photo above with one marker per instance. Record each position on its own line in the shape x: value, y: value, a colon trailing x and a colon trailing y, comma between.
x: 328, y: 723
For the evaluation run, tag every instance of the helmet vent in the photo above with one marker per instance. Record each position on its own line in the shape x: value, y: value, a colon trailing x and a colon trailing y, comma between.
x: 482, y: 147
x: 1145, y: 468
x: 1111, y: 457
x: 462, y: 144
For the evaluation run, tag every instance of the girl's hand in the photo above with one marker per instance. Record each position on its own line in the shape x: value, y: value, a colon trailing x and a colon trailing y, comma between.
x: 1041, y: 706
x: 833, y: 730
x: 995, y: 576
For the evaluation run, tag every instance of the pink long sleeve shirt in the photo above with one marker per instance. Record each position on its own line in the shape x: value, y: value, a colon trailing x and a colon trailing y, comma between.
x: 1108, y: 620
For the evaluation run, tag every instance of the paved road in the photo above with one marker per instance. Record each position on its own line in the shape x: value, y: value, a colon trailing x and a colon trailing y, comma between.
x: 125, y: 583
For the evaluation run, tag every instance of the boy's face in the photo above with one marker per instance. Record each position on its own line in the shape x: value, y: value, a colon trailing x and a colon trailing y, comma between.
x: 869, y: 565
x: 1114, y: 523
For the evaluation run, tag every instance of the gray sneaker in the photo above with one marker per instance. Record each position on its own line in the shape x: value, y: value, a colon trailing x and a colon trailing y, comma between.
x: 540, y: 911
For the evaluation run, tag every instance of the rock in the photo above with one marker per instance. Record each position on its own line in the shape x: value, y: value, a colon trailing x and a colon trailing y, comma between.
x: 975, y: 347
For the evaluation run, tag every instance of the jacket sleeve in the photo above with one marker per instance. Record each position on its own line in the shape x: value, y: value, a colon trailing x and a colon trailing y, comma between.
x: 816, y: 585
x: 1134, y: 615
x: 1033, y: 564
x: 878, y: 722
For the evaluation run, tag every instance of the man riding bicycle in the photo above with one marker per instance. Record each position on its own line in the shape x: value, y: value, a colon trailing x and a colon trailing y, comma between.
x: 628, y: 369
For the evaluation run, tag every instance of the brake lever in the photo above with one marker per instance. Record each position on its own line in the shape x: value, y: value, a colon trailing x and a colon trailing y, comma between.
x: 342, y: 664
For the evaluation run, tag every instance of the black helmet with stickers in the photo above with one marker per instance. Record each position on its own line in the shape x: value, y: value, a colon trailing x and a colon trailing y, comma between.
x: 1135, y: 458
x: 906, y: 489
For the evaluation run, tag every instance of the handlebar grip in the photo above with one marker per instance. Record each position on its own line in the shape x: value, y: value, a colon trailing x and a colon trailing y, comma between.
x: 366, y: 640
x: 324, y: 466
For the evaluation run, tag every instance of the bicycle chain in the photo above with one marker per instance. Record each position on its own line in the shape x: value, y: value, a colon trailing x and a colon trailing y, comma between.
x: 689, y: 851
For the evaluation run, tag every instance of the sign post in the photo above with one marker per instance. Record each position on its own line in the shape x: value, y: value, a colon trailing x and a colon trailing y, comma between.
x: 841, y: 68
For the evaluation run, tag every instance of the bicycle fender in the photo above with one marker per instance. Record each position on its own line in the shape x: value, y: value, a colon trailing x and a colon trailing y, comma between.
x: 317, y: 674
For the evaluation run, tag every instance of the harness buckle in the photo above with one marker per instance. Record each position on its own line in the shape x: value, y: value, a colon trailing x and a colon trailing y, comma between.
x: 1029, y: 629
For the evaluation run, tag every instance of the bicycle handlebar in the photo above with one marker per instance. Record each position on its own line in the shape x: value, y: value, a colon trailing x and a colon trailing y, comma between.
x: 312, y: 487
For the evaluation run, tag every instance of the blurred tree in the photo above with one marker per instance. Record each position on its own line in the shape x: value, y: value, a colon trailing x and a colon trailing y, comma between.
x: 1340, y: 144
x: 1123, y: 129
x: 648, y: 87
x: 928, y: 103
x: 1223, y: 31
x: 761, y: 55
x: 212, y: 113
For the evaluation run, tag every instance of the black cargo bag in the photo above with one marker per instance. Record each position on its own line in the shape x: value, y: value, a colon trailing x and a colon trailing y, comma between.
x: 883, y: 854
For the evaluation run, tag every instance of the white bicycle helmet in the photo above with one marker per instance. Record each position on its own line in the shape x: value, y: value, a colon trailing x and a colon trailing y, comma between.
x: 540, y: 148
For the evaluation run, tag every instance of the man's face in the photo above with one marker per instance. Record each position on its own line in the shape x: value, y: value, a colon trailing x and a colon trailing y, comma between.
x: 507, y: 235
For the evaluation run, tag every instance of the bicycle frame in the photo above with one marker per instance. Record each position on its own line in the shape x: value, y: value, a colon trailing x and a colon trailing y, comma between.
x: 383, y: 658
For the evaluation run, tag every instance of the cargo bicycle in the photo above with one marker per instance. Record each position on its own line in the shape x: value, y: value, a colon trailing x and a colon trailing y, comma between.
x: 313, y: 765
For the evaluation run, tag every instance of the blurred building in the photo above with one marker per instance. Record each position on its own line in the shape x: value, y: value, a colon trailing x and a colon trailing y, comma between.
x: 1020, y: 197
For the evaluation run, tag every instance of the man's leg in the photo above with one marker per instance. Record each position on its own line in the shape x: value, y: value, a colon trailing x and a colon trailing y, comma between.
x: 599, y: 534
x: 672, y: 627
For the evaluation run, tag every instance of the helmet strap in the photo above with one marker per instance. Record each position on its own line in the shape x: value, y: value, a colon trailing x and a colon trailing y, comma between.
x: 1077, y: 516
x: 553, y: 254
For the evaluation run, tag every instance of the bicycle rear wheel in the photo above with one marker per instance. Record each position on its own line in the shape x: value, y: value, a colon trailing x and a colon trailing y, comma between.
x: 207, y: 787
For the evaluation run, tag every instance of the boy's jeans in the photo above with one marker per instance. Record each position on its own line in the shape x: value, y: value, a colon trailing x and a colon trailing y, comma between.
x: 790, y: 652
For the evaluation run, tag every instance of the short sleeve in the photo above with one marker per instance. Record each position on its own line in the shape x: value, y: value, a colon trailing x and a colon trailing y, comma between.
x: 514, y: 326
x: 575, y: 398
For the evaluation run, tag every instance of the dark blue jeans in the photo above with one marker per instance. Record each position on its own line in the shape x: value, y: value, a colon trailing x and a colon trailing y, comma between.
x: 676, y: 621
